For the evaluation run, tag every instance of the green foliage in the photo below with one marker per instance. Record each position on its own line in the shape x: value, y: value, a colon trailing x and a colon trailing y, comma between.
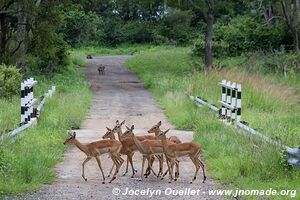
x: 10, y: 79
x: 27, y: 161
x: 137, y: 32
x: 48, y: 52
x: 83, y: 28
x: 245, y: 33
x: 270, y: 104
x: 112, y: 30
x: 176, y: 27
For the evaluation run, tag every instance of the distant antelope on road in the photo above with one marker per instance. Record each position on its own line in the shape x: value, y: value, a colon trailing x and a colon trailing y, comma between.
x: 101, y: 69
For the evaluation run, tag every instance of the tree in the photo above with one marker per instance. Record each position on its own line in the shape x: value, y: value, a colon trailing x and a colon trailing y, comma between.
x: 291, y: 14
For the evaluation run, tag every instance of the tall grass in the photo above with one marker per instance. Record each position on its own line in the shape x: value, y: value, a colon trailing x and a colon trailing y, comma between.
x: 26, y: 161
x: 269, y: 105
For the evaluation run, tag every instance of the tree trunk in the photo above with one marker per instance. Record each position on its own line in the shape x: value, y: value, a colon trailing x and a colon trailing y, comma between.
x: 269, y: 15
x: 208, y: 42
x: 21, y: 36
x: 3, y: 34
x: 296, y: 40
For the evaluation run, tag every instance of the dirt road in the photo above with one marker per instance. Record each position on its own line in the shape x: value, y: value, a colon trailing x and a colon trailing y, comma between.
x: 118, y: 95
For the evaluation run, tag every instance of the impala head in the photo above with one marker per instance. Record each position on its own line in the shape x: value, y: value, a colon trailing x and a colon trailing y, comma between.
x: 70, y: 138
x: 109, y: 134
x: 162, y: 134
x: 128, y: 132
x: 118, y: 127
x: 155, y: 128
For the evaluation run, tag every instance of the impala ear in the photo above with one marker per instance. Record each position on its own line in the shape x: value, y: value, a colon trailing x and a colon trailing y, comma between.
x: 74, y: 134
x: 132, y: 127
x: 159, y: 123
x: 122, y: 122
x: 117, y: 122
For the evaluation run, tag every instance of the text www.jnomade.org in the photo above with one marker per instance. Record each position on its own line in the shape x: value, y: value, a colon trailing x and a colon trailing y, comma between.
x: 147, y: 192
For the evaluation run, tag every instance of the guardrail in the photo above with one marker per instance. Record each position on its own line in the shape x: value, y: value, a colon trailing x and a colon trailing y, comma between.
x: 29, y: 114
x: 228, y: 115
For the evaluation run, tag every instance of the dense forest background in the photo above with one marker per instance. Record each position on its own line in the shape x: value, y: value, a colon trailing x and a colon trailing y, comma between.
x: 36, y: 35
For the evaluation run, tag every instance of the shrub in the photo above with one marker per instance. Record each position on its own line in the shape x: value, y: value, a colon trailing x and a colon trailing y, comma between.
x: 176, y: 26
x: 245, y: 33
x: 83, y: 28
x: 137, y: 32
x: 10, y: 79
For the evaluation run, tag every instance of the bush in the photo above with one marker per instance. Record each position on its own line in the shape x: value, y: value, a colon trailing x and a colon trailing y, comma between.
x: 137, y: 32
x: 245, y: 33
x: 176, y: 26
x: 112, y: 30
x: 83, y: 28
x: 10, y: 79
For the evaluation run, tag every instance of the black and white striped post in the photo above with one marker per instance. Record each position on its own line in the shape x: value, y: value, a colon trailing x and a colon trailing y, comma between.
x: 231, y: 101
x: 228, y: 100
x: 239, y: 103
x: 27, y: 100
x: 223, y: 111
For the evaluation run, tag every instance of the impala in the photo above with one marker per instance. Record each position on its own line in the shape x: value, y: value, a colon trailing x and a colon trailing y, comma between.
x: 129, y: 147
x: 97, y: 148
x: 156, y: 130
x: 172, y: 151
x: 148, y: 148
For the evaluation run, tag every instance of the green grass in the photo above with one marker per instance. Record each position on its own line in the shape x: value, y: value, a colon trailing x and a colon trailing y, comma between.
x: 270, y: 104
x: 78, y: 55
x: 27, y: 160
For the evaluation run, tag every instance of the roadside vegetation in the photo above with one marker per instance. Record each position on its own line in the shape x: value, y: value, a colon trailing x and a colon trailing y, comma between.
x: 27, y: 160
x: 270, y: 104
x: 181, y: 48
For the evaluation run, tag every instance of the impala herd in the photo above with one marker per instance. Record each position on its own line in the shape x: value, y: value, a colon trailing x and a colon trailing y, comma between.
x: 150, y: 147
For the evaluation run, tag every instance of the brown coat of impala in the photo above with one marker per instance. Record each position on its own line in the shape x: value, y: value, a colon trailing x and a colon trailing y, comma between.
x: 173, y: 151
x: 97, y: 148
x: 148, y: 148
x: 128, y: 146
x: 156, y: 130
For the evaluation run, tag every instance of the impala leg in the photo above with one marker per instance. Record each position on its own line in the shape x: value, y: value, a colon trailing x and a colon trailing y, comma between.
x: 129, y: 156
x: 148, y: 170
x: 177, y: 169
x: 118, y: 162
x: 99, y: 164
x: 127, y: 163
x: 111, y: 169
x: 85, y: 161
x: 170, y: 169
x: 196, y: 163
x: 150, y: 166
x: 203, y: 170
x: 142, y: 171
x: 161, y: 164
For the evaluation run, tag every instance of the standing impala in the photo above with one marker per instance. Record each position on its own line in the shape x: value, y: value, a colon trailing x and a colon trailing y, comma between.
x: 95, y: 149
x: 156, y: 130
x: 172, y: 151
x: 129, y: 147
x: 148, y: 148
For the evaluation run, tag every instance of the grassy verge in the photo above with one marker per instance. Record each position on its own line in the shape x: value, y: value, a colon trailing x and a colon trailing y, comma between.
x: 78, y: 55
x: 27, y: 160
x: 270, y: 104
